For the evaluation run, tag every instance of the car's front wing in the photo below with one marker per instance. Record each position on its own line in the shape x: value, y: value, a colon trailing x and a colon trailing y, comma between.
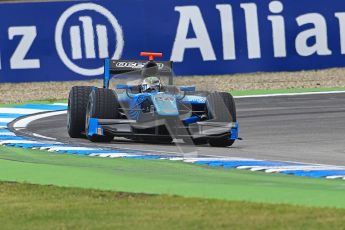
x: 198, y: 130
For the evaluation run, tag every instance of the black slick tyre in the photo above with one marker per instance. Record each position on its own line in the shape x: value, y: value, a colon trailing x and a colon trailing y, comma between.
x: 103, y: 104
x: 77, y: 102
x: 221, y: 108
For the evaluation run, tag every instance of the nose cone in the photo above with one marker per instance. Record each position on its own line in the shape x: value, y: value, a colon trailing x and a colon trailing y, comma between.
x: 165, y: 104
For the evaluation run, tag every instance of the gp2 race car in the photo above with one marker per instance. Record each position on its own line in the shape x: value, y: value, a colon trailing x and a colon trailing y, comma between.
x: 147, y: 110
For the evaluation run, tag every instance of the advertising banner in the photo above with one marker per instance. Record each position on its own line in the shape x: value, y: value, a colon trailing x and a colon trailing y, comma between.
x: 57, y: 41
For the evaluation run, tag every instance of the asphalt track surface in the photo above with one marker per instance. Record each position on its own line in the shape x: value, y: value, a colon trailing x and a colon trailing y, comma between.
x: 303, y: 128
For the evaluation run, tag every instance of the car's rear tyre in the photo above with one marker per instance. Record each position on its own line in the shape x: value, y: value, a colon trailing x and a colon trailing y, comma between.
x: 103, y: 104
x: 221, y: 108
x: 77, y: 102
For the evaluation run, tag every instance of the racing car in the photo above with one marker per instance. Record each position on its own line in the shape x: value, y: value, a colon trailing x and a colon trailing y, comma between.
x: 149, y: 110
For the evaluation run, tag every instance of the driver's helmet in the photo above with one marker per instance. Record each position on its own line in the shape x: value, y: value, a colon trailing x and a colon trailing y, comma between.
x: 149, y: 73
x: 150, y: 84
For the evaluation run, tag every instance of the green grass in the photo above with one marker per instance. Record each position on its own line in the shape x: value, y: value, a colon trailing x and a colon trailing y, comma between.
x: 26, y: 206
x: 277, y: 91
x: 166, y: 177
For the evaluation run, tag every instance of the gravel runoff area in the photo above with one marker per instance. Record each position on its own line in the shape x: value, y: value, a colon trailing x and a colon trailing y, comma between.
x: 21, y: 92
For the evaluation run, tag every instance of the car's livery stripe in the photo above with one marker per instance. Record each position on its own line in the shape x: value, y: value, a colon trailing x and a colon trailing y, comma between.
x: 8, y: 138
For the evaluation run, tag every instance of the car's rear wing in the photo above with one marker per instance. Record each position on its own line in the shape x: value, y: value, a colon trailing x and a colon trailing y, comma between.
x: 115, y: 67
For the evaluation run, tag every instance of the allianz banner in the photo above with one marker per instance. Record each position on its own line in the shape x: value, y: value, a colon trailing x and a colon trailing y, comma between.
x: 69, y: 40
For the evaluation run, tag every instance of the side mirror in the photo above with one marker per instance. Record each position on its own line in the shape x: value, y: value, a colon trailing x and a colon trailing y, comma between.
x: 187, y: 88
x: 122, y: 86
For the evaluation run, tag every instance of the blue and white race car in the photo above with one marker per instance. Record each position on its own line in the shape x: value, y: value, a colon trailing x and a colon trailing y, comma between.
x: 148, y: 109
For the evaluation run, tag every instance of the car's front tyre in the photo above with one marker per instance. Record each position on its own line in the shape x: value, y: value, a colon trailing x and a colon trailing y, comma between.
x: 103, y: 104
x: 221, y: 108
x: 77, y: 102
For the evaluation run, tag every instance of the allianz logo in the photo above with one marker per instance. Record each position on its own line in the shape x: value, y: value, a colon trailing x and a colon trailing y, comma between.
x: 88, y: 39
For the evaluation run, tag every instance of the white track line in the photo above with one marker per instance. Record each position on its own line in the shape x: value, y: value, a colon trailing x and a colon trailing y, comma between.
x: 23, y: 123
x: 44, y: 137
x: 289, y: 94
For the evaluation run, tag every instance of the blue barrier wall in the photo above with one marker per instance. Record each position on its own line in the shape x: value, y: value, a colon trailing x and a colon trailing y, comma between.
x: 68, y: 40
